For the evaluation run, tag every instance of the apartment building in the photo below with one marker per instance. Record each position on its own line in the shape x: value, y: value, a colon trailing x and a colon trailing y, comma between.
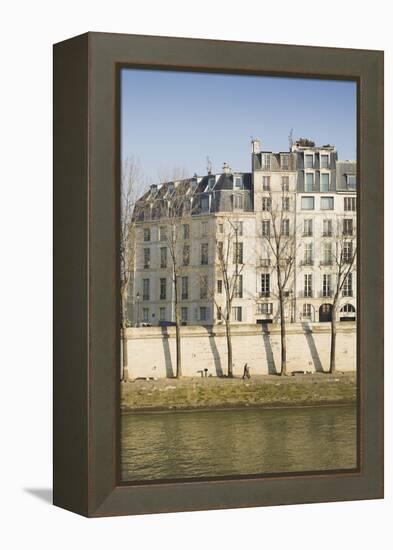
x: 304, y: 197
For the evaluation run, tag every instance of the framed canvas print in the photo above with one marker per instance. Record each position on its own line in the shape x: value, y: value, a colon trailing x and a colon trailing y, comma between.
x: 218, y: 260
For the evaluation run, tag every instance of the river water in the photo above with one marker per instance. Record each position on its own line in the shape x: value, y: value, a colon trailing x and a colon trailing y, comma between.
x: 181, y: 445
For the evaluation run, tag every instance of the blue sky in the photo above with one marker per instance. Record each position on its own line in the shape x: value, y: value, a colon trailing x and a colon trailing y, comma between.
x: 177, y: 119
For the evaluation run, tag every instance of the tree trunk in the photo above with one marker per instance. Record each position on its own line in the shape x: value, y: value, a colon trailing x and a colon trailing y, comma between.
x: 229, y: 348
x: 283, y: 337
x: 333, y: 336
x: 178, y: 336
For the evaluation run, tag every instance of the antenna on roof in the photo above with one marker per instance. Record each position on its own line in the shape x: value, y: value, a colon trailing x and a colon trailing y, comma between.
x: 290, y: 139
x: 209, y: 165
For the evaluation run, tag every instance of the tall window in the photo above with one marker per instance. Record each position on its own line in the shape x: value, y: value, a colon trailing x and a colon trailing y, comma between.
x: 237, y: 313
x: 308, y: 161
x: 309, y: 182
x: 308, y: 285
x: 266, y: 183
x: 221, y: 228
x: 219, y: 313
x: 220, y: 250
x: 284, y: 161
x: 238, y: 253
x: 184, y: 288
x: 285, y: 183
x: 184, y: 314
x: 327, y: 203
x: 348, y: 226
x: 186, y: 231
x: 324, y: 182
x: 307, y: 311
x: 163, y: 253
x: 238, y: 227
x: 265, y: 161
x: 347, y: 251
x: 266, y: 203
x: 265, y: 308
x: 307, y: 203
x: 146, y: 234
x: 205, y: 204
x: 203, y: 313
x: 204, y: 254
x: 285, y: 227
x: 238, y: 202
x: 163, y: 235
x: 308, y: 258
x: 219, y: 286
x: 327, y: 285
x: 163, y: 289
x: 307, y: 228
x: 203, y: 287
x: 351, y: 182
x: 186, y: 254
x: 265, y: 284
x: 347, y: 286
x: 146, y: 258
x: 350, y: 204
x: 238, y: 182
x: 239, y: 287
x: 266, y: 228
x: 324, y: 161
x: 285, y: 204
x: 145, y: 289
x: 145, y: 314
x: 327, y: 228
x: 162, y: 313
x: 327, y: 253
x: 204, y: 229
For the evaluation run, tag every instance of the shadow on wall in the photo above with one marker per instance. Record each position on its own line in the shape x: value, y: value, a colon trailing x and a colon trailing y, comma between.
x: 271, y: 365
x: 215, y: 352
x: 312, y: 347
x: 167, y: 353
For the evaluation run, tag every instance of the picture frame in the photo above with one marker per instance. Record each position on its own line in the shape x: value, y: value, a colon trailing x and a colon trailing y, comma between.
x: 86, y: 272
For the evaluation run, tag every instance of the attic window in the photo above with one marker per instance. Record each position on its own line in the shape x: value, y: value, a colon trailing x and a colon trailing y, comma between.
x: 211, y: 183
x: 238, y: 182
x: 351, y: 181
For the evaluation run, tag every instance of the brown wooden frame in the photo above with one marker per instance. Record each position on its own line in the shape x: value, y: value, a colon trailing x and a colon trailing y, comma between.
x: 86, y: 297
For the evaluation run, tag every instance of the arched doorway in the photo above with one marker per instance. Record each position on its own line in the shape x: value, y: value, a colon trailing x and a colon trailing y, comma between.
x: 325, y: 313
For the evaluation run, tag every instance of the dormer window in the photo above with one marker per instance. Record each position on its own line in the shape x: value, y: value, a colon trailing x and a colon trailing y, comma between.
x: 238, y: 182
x: 194, y: 183
x: 351, y: 182
x: 308, y: 161
x: 284, y: 161
x: 205, y: 204
x: 265, y: 158
x: 210, y: 184
x: 324, y: 161
x: 171, y: 187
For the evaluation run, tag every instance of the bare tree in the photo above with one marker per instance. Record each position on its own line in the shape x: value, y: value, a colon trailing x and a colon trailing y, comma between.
x: 279, y: 234
x: 229, y: 263
x: 342, y: 252
x: 131, y: 187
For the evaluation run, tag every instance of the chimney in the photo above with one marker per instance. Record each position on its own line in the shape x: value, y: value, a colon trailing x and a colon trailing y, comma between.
x: 226, y: 168
x: 255, y: 146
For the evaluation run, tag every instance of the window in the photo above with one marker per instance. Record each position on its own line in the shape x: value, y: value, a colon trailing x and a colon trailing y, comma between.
x: 327, y: 203
x: 237, y: 313
x: 219, y: 313
x: 309, y: 182
x: 163, y: 256
x: 221, y: 228
x: 184, y: 288
x: 145, y: 314
x: 348, y: 308
x: 204, y: 254
x: 308, y: 286
x: 327, y: 253
x: 145, y: 289
x: 285, y: 183
x: 219, y: 286
x: 203, y: 287
x: 210, y: 184
x: 220, y: 250
x: 203, y: 313
x: 187, y: 206
x: 308, y: 259
x: 162, y: 314
x: 205, y: 204
x: 347, y: 251
x: 351, y: 182
x: 308, y: 161
x: 238, y: 202
x: 285, y: 228
x: 265, y: 285
x: 284, y: 161
x: 238, y: 253
x: 307, y: 203
x: 347, y: 286
x: 324, y: 161
x: 307, y: 228
x: 327, y: 285
x: 285, y: 204
x: 265, y: 161
x: 307, y: 311
x: 266, y: 228
x: 163, y: 233
x: 204, y: 229
x: 186, y: 254
x: 239, y: 228
x: 324, y: 182
x: 348, y: 226
x: 350, y: 204
x: 146, y: 258
x: 184, y: 314
x: 265, y: 308
x: 163, y: 289
x: 266, y: 203
x: 266, y: 183
x: 186, y: 231
x: 238, y: 182
x: 327, y: 228
x: 239, y: 287
x: 146, y: 234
